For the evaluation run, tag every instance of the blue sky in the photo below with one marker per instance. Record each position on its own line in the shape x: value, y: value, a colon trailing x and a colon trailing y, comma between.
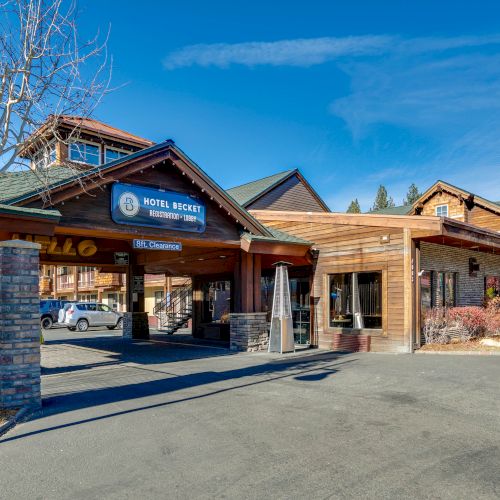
x: 353, y: 93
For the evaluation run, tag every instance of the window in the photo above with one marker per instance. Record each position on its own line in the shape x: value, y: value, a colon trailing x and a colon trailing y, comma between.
x: 158, y: 296
x: 114, y: 154
x: 87, y: 297
x: 442, y: 210
x: 45, y: 156
x: 356, y: 300
x: 85, y: 152
x: 103, y: 308
x: 447, y: 289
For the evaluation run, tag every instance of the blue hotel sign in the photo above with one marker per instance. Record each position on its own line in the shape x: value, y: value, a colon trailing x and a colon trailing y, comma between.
x: 142, y: 206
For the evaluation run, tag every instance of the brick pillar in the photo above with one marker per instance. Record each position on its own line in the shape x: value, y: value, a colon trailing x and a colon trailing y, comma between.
x: 19, y: 325
x: 248, y: 332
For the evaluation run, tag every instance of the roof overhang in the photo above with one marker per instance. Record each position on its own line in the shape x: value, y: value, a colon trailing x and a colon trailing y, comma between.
x: 99, y: 177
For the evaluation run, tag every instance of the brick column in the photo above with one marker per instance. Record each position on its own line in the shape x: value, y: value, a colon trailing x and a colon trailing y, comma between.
x: 248, y: 332
x: 19, y: 325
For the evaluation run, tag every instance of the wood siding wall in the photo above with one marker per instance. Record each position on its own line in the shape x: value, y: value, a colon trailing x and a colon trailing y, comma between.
x: 456, y: 210
x: 290, y: 195
x: 93, y: 211
x: 354, y: 248
x: 484, y: 218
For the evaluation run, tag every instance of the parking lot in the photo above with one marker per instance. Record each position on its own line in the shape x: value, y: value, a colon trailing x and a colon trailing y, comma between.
x: 167, y: 419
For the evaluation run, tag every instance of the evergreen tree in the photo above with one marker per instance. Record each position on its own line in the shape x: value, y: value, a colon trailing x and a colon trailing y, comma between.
x: 382, y: 200
x: 354, y: 207
x: 412, y: 195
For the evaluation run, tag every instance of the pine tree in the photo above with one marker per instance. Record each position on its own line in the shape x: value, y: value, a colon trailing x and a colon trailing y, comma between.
x: 354, y: 207
x: 412, y: 195
x: 382, y: 200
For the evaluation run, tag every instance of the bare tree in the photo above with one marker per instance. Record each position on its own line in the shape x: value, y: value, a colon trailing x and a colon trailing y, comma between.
x: 45, y: 72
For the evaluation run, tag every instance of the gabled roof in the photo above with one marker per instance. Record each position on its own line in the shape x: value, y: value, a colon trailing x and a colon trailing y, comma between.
x: 84, y: 125
x: 244, y: 194
x: 103, y: 129
x: 248, y: 193
x: 454, y: 190
x: 22, y: 187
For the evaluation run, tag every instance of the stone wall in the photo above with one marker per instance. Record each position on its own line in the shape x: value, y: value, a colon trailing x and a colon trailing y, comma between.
x: 19, y: 325
x: 470, y: 289
x: 135, y: 325
x: 249, y: 332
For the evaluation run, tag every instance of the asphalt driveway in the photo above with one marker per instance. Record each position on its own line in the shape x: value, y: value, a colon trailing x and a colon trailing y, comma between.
x: 171, y: 420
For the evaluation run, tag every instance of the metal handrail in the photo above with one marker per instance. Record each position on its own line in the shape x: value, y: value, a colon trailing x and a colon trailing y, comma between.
x: 175, y: 309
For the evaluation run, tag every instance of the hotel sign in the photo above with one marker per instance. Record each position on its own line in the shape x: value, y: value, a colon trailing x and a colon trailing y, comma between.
x: 142, y: 206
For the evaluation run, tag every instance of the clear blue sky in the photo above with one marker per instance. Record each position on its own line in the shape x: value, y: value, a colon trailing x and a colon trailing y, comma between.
x: 352, y: 93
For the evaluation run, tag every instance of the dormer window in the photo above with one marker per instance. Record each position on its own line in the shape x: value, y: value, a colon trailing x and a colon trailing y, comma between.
x: 85, y: 152
x: 45, y: 156
x: 112, y: 154
x: 442, y: 210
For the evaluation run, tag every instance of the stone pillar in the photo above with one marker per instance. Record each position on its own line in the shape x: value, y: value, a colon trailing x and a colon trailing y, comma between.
x: 19, y: 325
x: 248, y: 332
x: 135, y: 325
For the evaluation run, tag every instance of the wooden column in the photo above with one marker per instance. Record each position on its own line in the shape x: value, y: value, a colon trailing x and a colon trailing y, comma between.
x: 246, y: 283
x: 75, y: 282
x: 257, y: 273
x: 409, y: 289
x: 135, y: 299
x: 54, y: 286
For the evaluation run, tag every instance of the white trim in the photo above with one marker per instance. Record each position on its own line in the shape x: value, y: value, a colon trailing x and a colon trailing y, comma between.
x: 441, y: 206
x: 83, y: 141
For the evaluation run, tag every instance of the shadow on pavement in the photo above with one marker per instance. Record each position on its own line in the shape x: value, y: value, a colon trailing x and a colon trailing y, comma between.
x: 309, y: 368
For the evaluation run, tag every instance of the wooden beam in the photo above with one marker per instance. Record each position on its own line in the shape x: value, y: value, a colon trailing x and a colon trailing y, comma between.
x: 423, y: 222
x: 408, y: 289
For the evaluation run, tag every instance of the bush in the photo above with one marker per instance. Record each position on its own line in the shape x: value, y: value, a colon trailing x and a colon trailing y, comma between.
x: 464, y: 323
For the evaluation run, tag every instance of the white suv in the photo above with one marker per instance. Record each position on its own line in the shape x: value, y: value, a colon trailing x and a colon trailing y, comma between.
x: 80, y: 315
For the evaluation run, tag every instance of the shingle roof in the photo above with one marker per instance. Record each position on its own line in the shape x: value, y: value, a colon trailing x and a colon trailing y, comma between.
x: 277, y: 236
x: 245, y: 193
x: 98, y: 127
x: 18, y: 184
x: 32, y: 212
x: 401, y: 210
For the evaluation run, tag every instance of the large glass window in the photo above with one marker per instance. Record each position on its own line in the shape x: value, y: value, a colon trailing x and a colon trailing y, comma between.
x: 45, y: 156
x: 356, y: 300
x: 114, y: 154
x: 85, y: 152
x: 447, y: 283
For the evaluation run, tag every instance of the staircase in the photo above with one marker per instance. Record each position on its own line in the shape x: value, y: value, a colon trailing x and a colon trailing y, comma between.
x: 174, y: 311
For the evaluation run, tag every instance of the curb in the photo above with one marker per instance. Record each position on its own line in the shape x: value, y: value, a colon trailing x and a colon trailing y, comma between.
x: 460, y: 353
x: 22, y: 414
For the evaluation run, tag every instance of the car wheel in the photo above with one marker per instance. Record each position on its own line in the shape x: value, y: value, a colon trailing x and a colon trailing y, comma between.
x: 47, y: 323
x: 71, y: 328
x: 119, y: 325
x: 82, y: 325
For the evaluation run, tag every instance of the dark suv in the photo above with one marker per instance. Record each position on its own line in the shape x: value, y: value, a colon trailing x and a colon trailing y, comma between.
x: 49, y: 312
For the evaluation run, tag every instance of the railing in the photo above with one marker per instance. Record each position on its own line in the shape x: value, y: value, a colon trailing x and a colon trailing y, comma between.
x: 65, y: 282
x: 175, y: 309
x: 86, y: 279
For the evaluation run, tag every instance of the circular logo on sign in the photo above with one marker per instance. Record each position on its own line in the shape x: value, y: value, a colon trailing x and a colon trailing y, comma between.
x: 128, y: 203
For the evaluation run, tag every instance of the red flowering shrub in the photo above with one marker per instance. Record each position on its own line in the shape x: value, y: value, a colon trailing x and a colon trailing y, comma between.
x: 440, y: 326
x: 476, y: 320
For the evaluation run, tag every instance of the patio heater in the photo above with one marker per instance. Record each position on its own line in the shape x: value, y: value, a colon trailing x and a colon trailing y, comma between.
x: 356, y: 303
x: 281, y: 336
